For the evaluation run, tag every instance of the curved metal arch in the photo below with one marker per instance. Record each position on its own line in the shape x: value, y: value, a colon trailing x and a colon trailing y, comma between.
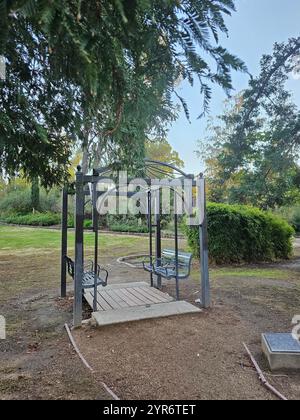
x: 148, y: 162
x: 167, y: 165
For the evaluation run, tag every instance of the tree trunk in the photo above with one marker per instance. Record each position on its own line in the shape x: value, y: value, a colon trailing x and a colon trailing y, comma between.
x: 35, y: 194
x: 97, y: 158
x: 85, y: 160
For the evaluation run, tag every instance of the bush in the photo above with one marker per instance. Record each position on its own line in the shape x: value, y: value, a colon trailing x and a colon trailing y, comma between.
x: 88, y: 224
x: 50, y: 201
x: 36, y: 219
x: 243, y: 234
x: 128, y: 228
x: 17, y: 201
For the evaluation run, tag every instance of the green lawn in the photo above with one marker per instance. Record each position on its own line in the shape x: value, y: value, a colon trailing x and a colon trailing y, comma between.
x: 249, y: 272
x: 18, y: 238
x: 37, y: 266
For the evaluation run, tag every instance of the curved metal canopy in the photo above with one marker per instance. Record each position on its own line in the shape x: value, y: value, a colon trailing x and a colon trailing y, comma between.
x: 152, y: 169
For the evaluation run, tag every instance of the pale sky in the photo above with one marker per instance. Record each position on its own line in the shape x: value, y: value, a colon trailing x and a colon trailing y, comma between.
x: 253, y: 30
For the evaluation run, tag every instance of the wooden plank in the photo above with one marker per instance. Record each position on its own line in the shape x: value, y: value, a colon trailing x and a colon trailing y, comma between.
x: 142, y: 296
x: 150, y: 293
x: 124, y: 285
x: 102, y: 302
x: 116, y: 296
x: 122, y: 296
x: 129, y: 298
x: 110, y: 300
x: 90, y: 300
x: 147, y: 292
x: 136, y: 299
x: 163, y: 296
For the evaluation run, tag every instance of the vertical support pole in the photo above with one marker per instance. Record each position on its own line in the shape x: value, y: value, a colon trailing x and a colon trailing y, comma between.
x: 176, y: 245
x: 158, y: 234
x: 79, y: 248
x: 96, y: 231
x: 203, y: 236
x: 150, y: 235
x: 64, y: 242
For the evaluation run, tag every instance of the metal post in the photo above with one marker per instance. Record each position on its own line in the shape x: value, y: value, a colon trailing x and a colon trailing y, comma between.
x: 158, y: 234
x: 64, y: 242
x: 176, y: 246
x: 150, y: 235
x: 79, y: 248
x: 203, y: 237
x: 95, y: 227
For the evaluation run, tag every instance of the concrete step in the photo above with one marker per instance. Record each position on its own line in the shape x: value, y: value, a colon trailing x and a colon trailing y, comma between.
x: 158, y: 310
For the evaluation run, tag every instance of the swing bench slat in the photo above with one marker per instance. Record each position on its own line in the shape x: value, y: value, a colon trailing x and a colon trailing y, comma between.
x: 88, y: 280
x: 166, y: 265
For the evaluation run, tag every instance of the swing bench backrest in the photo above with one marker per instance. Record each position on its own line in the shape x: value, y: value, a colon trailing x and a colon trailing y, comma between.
x: 167, y: 267
x: 88, y: 280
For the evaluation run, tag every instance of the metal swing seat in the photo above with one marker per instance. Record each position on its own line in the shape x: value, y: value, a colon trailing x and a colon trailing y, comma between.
x: 90, y: 278
x: 166, y: 265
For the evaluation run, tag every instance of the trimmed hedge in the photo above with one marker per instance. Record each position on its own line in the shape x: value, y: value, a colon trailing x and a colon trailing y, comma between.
x: 33, y: 219
x: 243, y: 234
x: 120, y: 227
x: 40, y: 219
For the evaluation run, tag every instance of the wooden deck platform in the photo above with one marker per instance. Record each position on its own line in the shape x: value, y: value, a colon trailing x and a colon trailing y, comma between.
x: 127, y: 302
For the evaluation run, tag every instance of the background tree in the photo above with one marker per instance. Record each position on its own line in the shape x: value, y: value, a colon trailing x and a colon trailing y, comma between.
x: 161, y: 150
x: 120, y: 60
x: 254, y: 149
x: 37, y: 112
x: 35, y: 194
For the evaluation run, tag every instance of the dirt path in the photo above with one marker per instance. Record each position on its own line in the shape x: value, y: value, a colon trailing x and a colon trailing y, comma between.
x: 187, y: 357
x: 200, y: 356
x: 190, y: 357
x: 36, y: 360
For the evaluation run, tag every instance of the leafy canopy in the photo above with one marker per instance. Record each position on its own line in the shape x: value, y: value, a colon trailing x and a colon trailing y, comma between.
x: 111, y: 66
x: 254, y: 150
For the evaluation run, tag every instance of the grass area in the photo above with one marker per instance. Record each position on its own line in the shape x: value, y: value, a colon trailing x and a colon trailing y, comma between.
x: 17, y: 238
x: 264, y: 273
x: 40, y: 250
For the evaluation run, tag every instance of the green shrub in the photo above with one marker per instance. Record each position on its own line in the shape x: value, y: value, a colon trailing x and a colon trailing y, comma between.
x: 40, y: 219
x: 243, y: 234
x: 120, y: 227
x: 36, y: 219
x: 88, y: 224
x: 50, y: 201
x: 17, y: 201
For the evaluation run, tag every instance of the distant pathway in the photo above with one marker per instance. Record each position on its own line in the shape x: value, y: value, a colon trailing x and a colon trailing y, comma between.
x: 293, y: 264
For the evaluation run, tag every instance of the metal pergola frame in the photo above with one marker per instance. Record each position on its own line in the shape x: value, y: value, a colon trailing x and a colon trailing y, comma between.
x: 153, y: 167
